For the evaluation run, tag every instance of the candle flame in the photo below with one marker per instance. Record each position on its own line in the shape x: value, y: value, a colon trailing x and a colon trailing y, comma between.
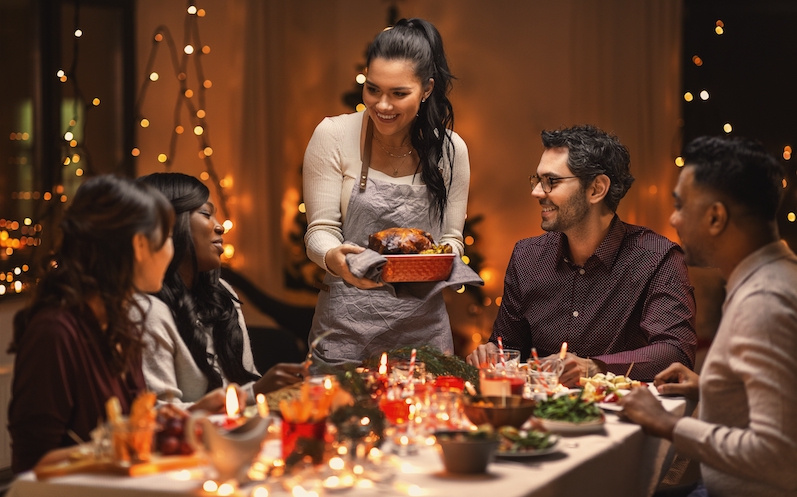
x: 383, y: 364
x: 262, y: 406
x: 563, y: 352
x: 233, y: 408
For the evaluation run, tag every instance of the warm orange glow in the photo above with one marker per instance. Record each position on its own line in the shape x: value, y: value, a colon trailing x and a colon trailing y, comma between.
x: 231, y: 404
x: 697, y: 61
x: 383, y: 364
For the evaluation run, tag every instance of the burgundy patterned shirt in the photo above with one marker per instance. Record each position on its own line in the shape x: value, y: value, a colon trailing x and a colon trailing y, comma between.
x: 630, y: 302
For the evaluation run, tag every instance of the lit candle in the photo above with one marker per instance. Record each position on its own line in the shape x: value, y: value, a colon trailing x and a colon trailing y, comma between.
x: 383, y: 364
x: 563, y: 351
x: 262, y: 406
x: 233, y: 419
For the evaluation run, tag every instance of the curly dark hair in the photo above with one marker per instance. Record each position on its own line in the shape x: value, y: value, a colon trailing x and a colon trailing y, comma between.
x: 95, y: 258
x: 591, y: 152
x: 207, y: 302
x: 739, y: 168
x: 418, y: 41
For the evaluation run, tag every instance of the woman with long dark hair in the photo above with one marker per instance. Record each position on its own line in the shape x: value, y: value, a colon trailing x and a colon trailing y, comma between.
x: 197, y: 339
x: 398, y: 164
x: 75, y: 343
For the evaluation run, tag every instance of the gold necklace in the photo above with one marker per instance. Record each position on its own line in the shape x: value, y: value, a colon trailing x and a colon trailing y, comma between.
x: 382, y: 146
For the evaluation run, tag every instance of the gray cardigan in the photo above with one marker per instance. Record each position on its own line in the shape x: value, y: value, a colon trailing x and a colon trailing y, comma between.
x: 169, y: 368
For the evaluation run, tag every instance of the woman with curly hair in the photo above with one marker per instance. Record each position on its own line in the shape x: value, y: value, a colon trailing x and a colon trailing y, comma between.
x: 75, y: 342
x: 197, y: 339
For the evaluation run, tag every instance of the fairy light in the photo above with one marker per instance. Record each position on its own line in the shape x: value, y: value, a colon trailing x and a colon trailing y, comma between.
x: 188, y: 49
x: 135, y: 152
x: 68, y: 136
x: 207, y: 84
x: 198, y: 130
x: 727, y: 127
x: 206, y: 49
x: 704, y: 95
x: 679, y: 161
x: 78, y: 33
x: 465, y: 259
x: 200, y: 13
x: 791, y: 217
x: 207, y: 151
x: 227, y: 225
x: 360, y: 107
x: 192, y: 9
x: 153, y: 76
x: 360, y: 79
x: 719, y: 27
x: 189, y: 93
x: 688, y: 96
x: 95, y: 102
x: 144, y: 123
x: 302, y: 208
x: 179, y: 130
x: 697, y: 61
x: 200, y: 114
x: 162, y: 158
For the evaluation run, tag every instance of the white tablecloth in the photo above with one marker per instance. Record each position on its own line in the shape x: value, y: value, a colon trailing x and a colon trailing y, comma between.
x: 620, y: 461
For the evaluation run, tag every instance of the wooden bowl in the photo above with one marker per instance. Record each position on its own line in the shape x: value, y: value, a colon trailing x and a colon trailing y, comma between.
x: 499, y: 411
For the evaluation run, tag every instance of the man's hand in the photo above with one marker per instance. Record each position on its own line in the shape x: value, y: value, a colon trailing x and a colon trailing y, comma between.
x: 280, y: 375
x: 574, y: 368
x: 641, y: 407
x: 680, y: 380
x: 478, y: 357
x: 336, y: 263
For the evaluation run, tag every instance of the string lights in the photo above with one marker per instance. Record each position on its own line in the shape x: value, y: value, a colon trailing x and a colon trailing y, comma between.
x: 20, y: 238
x: 191, y: 98
x: 693, y: 97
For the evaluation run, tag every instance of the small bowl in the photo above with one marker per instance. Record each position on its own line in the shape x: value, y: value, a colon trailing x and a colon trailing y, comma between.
x: 465, y: 455
x: 505, y: 411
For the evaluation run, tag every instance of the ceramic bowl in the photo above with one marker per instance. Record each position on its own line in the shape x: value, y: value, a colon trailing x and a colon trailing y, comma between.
x: 464, y: 454
x: 499, y: 411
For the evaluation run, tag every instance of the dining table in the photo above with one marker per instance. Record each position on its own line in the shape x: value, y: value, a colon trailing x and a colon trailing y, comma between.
x: 617, y: 460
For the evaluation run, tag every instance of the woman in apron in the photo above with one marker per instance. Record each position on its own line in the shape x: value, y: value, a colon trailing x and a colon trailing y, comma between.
x: 398, y: 164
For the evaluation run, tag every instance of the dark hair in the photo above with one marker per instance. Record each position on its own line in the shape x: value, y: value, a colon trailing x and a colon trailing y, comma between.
x: 418, y: 41
x: 207, y: 302
x: 591, y: 152
x: 95, y: 257
x: 739, y: 168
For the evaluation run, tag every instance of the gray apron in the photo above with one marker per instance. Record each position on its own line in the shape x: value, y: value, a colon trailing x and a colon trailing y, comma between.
x: 364, y: 323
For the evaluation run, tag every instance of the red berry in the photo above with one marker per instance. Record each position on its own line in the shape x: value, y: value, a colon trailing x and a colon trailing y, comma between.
x: 170, y: 446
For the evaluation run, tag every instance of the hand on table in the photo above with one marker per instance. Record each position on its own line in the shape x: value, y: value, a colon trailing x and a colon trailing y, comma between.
x: 574, y: 368
x: 336, y: 263
x: 643, y: 408
x: 215, y: 401
x: 680, y: 380
x: 280, y: 375
x: 478, y: 357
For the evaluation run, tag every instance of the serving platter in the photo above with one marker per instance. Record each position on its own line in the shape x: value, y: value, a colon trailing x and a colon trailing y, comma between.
x: 517, y: 454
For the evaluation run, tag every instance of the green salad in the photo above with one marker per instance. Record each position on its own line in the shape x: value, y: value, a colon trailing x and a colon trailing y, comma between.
x: 514, y: 440
x: 566, y: 408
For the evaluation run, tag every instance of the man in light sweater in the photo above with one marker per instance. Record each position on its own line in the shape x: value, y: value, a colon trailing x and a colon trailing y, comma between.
x: 745, y: 438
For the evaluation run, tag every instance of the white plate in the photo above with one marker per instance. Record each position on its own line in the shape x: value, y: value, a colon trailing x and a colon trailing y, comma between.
x: 609, y: 406
x: 567, y: 428
x: 530, y: 453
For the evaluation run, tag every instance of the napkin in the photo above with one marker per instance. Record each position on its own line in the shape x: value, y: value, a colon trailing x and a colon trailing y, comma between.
x: 369, y: 264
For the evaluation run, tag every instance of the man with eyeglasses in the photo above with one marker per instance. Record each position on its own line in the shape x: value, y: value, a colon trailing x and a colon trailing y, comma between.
x: 619, y: 294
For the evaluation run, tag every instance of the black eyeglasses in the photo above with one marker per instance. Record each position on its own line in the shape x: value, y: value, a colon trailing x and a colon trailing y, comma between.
x: 548, y: 182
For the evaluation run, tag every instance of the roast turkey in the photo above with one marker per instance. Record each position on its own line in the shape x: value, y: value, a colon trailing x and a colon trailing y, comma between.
x: 401, y: 241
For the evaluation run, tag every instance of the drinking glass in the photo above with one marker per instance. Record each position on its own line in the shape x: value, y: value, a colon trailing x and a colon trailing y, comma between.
x: 543, y: 382
x: 501, y: 382
x: 511, y: 358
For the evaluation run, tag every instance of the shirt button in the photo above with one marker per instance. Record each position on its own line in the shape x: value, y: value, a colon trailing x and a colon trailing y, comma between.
x: 575, y: 314
x: 581, y: 271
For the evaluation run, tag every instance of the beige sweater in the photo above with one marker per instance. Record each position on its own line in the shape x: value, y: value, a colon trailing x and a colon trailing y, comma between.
x: 332, y: 164
x: 169, y: 368
x: 746, y: 437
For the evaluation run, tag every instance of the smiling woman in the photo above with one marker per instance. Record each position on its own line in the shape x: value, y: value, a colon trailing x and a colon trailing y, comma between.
x: 196, y: 339
x: 398, y: 164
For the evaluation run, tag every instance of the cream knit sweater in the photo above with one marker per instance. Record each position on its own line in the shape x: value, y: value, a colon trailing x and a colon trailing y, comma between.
x: 332, y: 164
